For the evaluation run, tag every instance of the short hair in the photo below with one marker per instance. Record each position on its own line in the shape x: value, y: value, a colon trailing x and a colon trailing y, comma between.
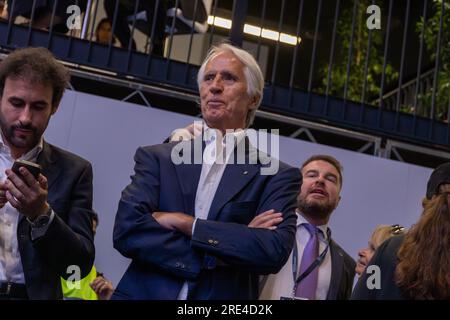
x: 252, y: 71
x: 37, y: 65
x: 331, y: 160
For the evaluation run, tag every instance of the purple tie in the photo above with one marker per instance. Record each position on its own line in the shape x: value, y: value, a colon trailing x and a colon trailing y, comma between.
x: 307, y: 287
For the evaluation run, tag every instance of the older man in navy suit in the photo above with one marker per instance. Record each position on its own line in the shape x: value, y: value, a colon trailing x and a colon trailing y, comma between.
x: 185, y: 224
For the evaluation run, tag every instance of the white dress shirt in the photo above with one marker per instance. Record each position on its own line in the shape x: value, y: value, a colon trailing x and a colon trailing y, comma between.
x: 282, y: 284
x: 10, y: 262
x: 213, y: 167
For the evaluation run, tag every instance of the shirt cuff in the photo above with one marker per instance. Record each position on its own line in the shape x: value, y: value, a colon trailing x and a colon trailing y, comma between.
x: 41, y: 231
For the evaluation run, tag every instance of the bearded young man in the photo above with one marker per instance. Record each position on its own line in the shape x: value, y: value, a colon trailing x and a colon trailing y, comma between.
x: 45, y: 222
x: 321, y: 268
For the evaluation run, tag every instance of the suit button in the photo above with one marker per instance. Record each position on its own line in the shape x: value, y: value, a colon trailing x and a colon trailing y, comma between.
x: 210, y: 241
x: 216, y: 242
x: 177, y: 265
x: 182, y: 266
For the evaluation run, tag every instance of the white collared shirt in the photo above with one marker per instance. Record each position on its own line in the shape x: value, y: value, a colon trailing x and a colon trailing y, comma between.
x: 213, y: 167
x: 282, y: 284
x: 10, y: 262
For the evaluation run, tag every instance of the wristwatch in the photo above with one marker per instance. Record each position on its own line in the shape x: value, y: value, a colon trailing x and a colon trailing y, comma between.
x: 42, y: 220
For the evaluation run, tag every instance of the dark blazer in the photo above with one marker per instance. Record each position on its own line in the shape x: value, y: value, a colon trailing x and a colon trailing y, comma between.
x: 386, y: 259
x: 69, y: 238
x: 224, y: 257
x: 342, y: 273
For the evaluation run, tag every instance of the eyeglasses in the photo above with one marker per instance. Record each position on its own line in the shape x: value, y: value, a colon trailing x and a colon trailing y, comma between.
x: 397, y: 229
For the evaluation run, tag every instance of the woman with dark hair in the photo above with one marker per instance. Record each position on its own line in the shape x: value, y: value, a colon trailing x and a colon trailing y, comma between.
x: 415, y: 265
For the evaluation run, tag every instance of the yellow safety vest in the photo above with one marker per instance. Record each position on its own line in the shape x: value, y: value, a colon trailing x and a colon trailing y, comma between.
x: 84, y: 292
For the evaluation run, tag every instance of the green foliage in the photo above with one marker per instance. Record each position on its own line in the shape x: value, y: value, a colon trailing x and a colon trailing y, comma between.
x: 359, y: 53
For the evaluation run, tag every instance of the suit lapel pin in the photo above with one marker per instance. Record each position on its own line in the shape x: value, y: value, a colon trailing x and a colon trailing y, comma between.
x: 245, y: 172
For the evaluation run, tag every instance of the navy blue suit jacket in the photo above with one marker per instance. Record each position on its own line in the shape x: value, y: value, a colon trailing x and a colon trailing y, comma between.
x: 224, y: 257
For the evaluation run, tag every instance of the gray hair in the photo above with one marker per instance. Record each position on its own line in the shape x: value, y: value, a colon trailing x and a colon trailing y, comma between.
x: 252, y: 71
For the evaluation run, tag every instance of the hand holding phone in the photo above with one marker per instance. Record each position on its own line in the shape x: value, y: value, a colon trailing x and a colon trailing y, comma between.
x: 32, y: 167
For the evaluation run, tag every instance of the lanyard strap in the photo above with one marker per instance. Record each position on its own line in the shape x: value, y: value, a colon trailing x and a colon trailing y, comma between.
x: 313, y: 265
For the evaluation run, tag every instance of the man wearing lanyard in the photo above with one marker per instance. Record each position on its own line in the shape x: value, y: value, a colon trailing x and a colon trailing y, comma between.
x: 318, y: 268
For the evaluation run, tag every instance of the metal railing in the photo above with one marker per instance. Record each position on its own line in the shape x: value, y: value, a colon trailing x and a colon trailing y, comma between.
x: 408, y: 94
x: 323, y: 59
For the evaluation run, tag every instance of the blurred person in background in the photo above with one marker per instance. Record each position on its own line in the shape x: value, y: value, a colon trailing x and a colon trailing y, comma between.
x: 416, y: 265
x: 39, y: 12
x: 185, y: 226
x: 3, y: 9
x: 380, y: 234
x: 103, y: 32
x: 46, y: 229
x: 92, y: 287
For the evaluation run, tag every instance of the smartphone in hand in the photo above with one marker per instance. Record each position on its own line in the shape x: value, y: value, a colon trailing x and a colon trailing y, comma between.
x: 32, y: 167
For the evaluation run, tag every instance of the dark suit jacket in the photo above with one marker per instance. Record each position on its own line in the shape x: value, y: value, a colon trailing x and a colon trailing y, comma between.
x: 386, y: 259
x: 224, y: 257
x: 69, y: 238
x: 342, y: 273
